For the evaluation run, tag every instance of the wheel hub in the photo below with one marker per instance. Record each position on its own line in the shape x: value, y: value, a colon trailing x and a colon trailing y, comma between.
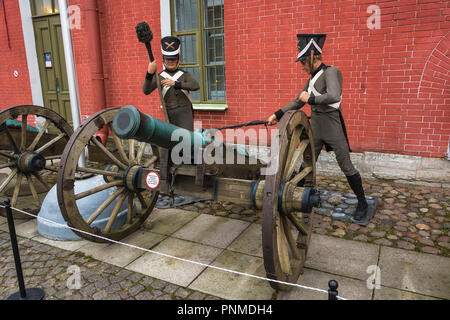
x: 131, y: 177
x: 29, y: 162
x: 293, y: 198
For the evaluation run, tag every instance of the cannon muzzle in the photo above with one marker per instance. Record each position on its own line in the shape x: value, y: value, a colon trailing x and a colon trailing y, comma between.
x: 130, y: 123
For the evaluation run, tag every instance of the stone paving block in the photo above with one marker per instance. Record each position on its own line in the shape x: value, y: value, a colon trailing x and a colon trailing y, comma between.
x: 121, y: 255
x: 17, y: 222
x: 233, y: 286
x: 416, y: 272
x: 26, y: 229
x: 350, y: 289
x: 249, y: 242
x: 342, y: 257
x: 3, y: 220
x: 385, y: 293
x: 213, y: 231
x: 173, y: 270
x: 65, y: 245
x: 167, y: 221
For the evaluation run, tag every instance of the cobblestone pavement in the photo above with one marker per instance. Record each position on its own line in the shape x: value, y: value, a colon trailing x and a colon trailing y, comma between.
x: 408, y: 216
x: 50, y: 268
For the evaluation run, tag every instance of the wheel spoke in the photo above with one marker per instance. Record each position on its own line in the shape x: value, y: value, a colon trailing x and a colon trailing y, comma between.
x: 295, y: 158
x: 283, y: 252
x: 33, y: 190
x: 290, y: 239
x: 301, y: 175
x: 50, y: 168
x: 119, y: 146
x: 23, y: 133
x: 100, y: 172
x: 98, y: 189
x: 8, y: 179
x: 51, y: 142
x: 41, y: 180
x: 15, y: 195
x: 141, y: 199
x: 108, y: 153
x: 131, y: 151
x: 140, y: 152
x: 11, y: 139
x: 151, y: 161
x: 130, y: 208
x: 39, y: 135
x: 6, y: 165
x: 297, y: 224
x: 114, y: 213
x: 7, y: 155
x: 104, y: 205
x: 294, y: 140
x: 53, y: 157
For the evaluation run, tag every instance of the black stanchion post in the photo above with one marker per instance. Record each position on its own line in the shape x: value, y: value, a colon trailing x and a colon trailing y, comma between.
x: 23, y: 294
x: 332, y: 291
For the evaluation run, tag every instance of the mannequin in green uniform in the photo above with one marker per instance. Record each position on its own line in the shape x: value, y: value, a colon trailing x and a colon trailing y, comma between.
x: 175, y: 84
x: 323, y: 92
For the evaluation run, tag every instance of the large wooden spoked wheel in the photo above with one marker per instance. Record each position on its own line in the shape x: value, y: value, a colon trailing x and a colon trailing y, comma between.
x: 110, y: 162
x: 29, y: 154
x: 286, y: 235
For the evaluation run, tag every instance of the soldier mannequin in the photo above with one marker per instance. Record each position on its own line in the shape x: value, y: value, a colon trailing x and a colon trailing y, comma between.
x: 323, y: 92
x: 175, y: 85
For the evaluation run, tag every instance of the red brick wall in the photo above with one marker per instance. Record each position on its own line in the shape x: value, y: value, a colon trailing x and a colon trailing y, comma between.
x: 13, y: 90
x: 81, y: 56
x: 124, y: 58
x: 396, y: 95
x: 396, y: 81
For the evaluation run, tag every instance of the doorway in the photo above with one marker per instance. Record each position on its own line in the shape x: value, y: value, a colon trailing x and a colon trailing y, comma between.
x: 50, y: 54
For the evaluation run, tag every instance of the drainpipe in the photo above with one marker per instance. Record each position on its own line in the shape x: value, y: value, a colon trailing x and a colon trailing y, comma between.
x: 70, y: 68
x: 96, y: 61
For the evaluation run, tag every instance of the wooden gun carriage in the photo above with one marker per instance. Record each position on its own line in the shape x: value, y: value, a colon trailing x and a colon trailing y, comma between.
x: 136, y: 162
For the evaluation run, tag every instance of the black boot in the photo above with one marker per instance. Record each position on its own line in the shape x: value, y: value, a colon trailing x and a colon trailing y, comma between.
x: 356, y: 185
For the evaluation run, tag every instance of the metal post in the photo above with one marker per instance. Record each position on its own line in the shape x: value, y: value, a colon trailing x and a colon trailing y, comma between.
x: 23, y: 294
x: 332, y: 292
x: 71, y: 70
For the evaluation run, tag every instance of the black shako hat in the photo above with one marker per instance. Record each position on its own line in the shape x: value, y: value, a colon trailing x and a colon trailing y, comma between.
x: 309, y: 42
x: 170, y: 47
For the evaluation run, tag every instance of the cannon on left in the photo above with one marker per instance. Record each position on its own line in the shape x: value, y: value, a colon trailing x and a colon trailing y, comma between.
x: 32, y: 140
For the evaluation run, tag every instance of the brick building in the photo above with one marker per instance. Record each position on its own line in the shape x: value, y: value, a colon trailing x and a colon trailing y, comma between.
x: 394, y: 56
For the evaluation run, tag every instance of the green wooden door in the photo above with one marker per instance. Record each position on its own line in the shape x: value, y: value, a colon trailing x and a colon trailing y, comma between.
x: 52, y: 65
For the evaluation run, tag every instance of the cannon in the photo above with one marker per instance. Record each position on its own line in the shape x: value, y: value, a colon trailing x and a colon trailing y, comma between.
x: 137, y: 161
x: 135, y: 164
x: 30, y: 155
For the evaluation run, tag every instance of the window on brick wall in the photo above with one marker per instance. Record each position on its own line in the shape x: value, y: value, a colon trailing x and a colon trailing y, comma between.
x: 44, y: 7
x: 200, y: 27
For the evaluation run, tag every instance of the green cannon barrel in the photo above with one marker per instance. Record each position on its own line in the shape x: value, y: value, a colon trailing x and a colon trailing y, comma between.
x: 130, y: 123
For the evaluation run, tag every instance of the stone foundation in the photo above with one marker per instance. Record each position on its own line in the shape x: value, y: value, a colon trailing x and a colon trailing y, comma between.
x: 430, y: 172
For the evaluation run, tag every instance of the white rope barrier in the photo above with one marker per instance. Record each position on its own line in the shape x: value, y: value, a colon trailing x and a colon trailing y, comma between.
x: 173, y: 257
